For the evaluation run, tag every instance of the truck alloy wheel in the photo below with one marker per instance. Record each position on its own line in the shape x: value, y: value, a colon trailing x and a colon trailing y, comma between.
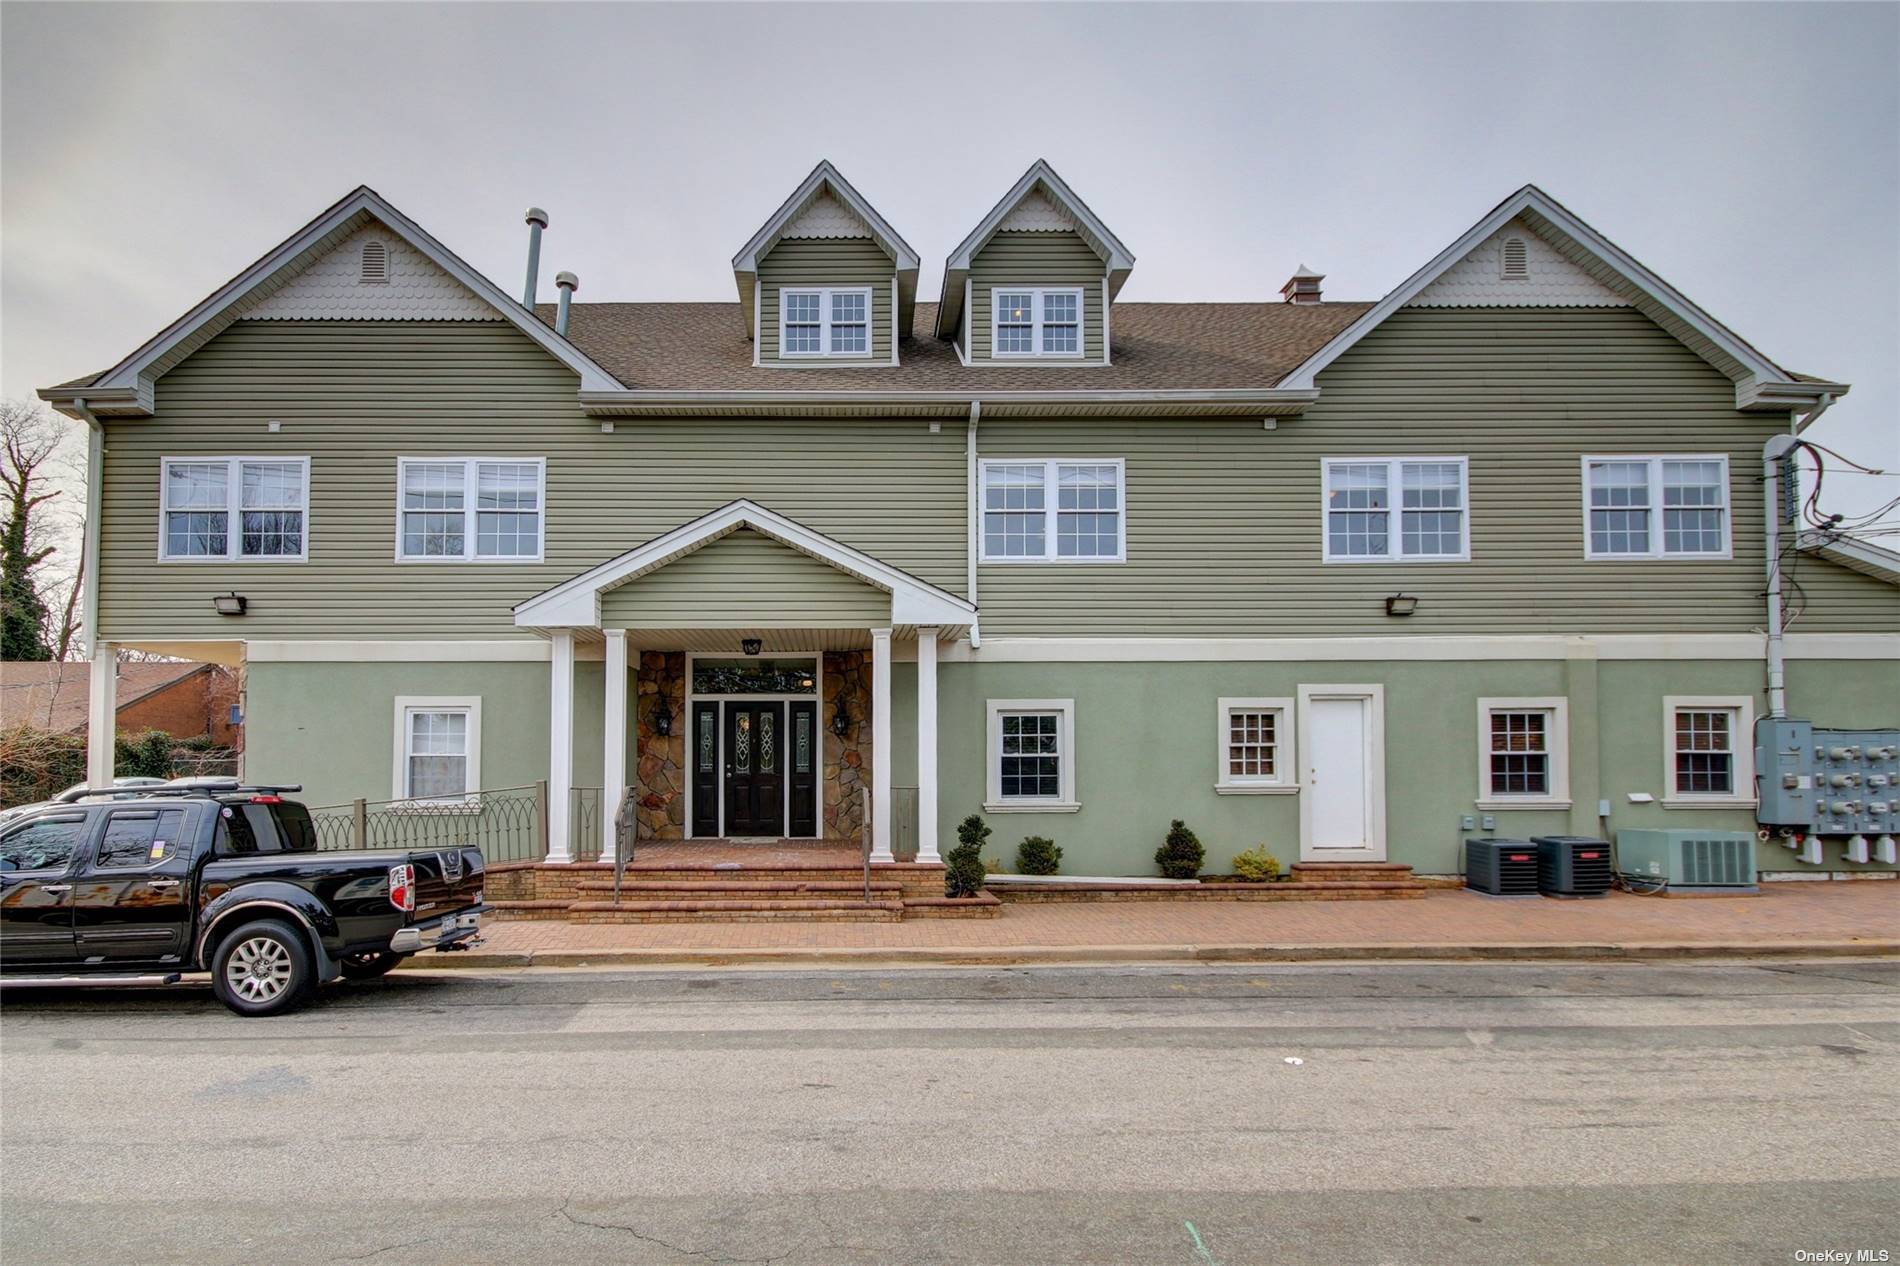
x: 262, y: 968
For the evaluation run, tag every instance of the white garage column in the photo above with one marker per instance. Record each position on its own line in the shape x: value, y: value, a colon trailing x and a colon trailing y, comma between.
x: 614, y: 783
x: 927, y: 746
x: 102, y: 714
x: 881, y: 746
x: 561, y: 747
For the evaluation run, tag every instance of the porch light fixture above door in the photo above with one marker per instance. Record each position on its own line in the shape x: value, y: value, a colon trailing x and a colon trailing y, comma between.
x: 1401, y: 604
x: 233, y: 603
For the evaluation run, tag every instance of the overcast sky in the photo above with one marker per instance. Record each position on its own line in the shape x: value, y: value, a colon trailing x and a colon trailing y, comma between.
x: 1750, y: 154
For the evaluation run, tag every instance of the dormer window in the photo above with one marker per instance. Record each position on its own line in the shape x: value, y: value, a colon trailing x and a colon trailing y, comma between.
x: 825, y: 322
x: 1037, y: 322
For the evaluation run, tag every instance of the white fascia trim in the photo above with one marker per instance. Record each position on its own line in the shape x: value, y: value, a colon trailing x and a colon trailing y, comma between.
x: 521, y: 651
x: 1267, y: 400
x: 575, y: 603
x: 1435, y: 648
x: 1856, y: 555
x: 127, y: 375
x: 747, y: 260
x: 1760, y: 369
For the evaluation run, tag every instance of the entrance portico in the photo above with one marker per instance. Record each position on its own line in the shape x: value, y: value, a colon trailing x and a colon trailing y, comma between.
x: 735, y: 650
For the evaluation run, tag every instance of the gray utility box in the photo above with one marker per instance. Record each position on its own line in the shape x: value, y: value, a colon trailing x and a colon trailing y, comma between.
x: 1502, y: 868
x: 1784, y: 769
x: 1572, y: 865
x: 1825, y: 781
x: 1714, y: 861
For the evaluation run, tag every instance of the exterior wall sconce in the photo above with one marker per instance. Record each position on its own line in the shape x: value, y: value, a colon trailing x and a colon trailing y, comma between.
x: 751, y: 646
x: 841, y: 721
x: 232, y: 603
x: 663, y: 720
x: 1401, y: 604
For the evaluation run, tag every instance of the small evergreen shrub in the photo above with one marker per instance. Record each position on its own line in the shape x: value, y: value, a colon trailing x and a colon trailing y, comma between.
x: 1037, y: 856
x: 1257, y: 865
x: 1180, y: 855
x: 963, y: 872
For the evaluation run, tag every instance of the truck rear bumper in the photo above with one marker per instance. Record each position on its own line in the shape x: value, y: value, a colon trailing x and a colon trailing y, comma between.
x: 443, y: 933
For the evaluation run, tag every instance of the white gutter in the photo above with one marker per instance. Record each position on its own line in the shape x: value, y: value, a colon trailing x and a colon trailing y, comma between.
x: 1778, y: 449
x: 1238, y: 399
x: 969, y: 460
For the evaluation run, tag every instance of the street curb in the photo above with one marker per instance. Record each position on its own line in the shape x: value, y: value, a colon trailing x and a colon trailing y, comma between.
x: 1031, y: 955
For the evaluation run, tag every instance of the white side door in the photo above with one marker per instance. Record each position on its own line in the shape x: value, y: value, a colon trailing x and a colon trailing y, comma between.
x: 1342, y: 791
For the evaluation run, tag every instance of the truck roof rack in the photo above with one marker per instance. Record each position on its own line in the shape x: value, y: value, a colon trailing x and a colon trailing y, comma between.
x: 207, y: 787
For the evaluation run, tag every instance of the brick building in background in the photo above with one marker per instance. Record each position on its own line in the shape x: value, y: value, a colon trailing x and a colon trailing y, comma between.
x: 186, y: 700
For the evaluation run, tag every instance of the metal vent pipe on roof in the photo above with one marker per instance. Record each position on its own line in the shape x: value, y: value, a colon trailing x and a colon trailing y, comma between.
x: 537, y: 220
x: 567, y: 284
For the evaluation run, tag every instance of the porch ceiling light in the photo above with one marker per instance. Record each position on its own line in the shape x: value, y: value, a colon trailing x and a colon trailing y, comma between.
x: 233, y: 603
x: 1401, y: 604
x: 751, y: 645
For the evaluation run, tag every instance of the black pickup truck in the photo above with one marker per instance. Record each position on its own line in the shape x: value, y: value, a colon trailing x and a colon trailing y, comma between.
x: 141, y: 886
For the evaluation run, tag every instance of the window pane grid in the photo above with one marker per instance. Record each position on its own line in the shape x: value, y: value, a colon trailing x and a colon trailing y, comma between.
x: 1015, y: 321
x: 198, y: 509
x: 1088, y: 518
x: 1252, y: 744
x: 1030, y: 756
x: 1705, y: 756
x: 1081, y: 521
x: 1014, y: 511
x: 449, y: 505
x: 438, y: 755
x: 1520, y: 753
x: 1649, y: 507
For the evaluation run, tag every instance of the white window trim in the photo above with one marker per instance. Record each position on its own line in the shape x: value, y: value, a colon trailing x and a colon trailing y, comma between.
x: 993, y: 801
x: 234, y: 511
x: 1036, y: 294
x: 1050, y: 486
x: 1556, y: 748
x: 469, y: 487
x: 1395, y: 492
x: 1655, y: 552
x: 824, y: 294
x: 1742, y: 741
x: 399, y: 777
x: 1285, y: 757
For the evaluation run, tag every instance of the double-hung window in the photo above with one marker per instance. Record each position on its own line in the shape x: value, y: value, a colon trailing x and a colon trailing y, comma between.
x: 438, y: 750
x: 470, y: 509
x: 1255, y: 741
x: 1709, y: 741
x: 1031, y: 756
x: 1523, y: 753
x: 1053, y: 511
x: 825, y: 322
x: 1397, y: 509
x: 1656, y: 507
x: 234, y: 509
x: 1036, y: 322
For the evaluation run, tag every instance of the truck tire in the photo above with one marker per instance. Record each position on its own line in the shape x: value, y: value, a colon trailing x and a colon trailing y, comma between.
x: 371, y: 965
x: 263, y: 968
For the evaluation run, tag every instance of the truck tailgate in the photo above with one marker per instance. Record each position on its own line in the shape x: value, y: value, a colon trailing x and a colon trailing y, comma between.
x: 447, y: 879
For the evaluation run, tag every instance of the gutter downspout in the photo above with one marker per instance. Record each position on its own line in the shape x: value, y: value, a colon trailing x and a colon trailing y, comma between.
x: 969, y: 459
x: 101, y: 709
x: 89, y: 547
x: 1778, y: 449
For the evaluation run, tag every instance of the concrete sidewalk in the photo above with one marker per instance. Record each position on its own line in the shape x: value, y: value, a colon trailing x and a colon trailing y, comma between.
x: 1787, y: 919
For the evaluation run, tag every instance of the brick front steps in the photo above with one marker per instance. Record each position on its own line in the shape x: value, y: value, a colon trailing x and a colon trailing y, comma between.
x: 1331, y: 881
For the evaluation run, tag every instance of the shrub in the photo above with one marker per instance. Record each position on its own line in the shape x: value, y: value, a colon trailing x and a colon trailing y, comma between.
x: 963, y: 872
x: 148, y: 755
x: 1180, y: 855
x: 1037, y: 856
x: 1257, y: 865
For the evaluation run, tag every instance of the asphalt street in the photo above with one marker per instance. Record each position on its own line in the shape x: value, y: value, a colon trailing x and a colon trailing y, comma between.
x: 1190, y: 1116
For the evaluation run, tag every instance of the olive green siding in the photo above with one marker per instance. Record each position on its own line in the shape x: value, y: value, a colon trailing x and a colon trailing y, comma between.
x: 745, y: 580
x: 835, y: 262
x: 355, y: 396
x: 1034, y: 259
x: 1224, y: 527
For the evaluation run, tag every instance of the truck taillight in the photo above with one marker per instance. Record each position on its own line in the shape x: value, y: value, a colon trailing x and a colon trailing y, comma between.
x: 402, y: 886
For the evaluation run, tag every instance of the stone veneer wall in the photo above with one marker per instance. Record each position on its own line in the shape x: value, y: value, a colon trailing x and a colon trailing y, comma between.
x: 660, y: 776
x: 847, y: 766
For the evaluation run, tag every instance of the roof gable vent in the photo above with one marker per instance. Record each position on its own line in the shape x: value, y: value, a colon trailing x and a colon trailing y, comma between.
x: 375, y: 264
x: 1514, y: 261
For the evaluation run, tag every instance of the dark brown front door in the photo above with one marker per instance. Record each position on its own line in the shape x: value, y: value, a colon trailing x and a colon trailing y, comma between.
x: 755, y: 768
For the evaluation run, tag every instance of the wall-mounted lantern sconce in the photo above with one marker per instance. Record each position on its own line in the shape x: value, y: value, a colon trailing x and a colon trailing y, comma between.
x: 1401, y: 604
x: 841, y: 721
x: 232, y: 603
x: 663, y: 720
x: 751, y: 646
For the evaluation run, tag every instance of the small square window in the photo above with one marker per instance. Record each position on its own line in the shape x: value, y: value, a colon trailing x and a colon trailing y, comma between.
x: 1255, y: 745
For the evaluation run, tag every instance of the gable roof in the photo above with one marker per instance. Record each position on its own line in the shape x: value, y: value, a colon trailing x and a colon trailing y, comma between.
x: 1854, y: 554
x: 825, y: 179
x: 575, y: 603
x: 1759, y: 382
x: 1041, y: 178
x: 129, y: 388
x: 52, y: 695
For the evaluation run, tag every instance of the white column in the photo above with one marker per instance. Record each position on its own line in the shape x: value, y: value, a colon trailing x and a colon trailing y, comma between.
x: 614, y: 784
x: 927, y: 745
x: 881, y: 746
x: 102, y: 714
x: 561, y: 747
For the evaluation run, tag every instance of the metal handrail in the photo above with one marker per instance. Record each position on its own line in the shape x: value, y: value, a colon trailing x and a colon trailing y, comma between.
x: 865, y: 831
x: 623, y: 839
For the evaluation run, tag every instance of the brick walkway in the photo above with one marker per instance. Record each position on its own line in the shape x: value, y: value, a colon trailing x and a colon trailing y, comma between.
x: 1784, y: 914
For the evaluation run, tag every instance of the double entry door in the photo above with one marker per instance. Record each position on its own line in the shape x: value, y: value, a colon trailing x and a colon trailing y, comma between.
x: 755, y: 768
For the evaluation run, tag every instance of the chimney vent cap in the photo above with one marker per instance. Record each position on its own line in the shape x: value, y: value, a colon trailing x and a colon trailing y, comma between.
x: 567, y: 281
x: 536, y: 216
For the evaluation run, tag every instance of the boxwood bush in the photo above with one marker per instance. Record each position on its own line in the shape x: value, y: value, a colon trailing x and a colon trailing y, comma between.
x: 1180, y: 855
x: 1038, y: 856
